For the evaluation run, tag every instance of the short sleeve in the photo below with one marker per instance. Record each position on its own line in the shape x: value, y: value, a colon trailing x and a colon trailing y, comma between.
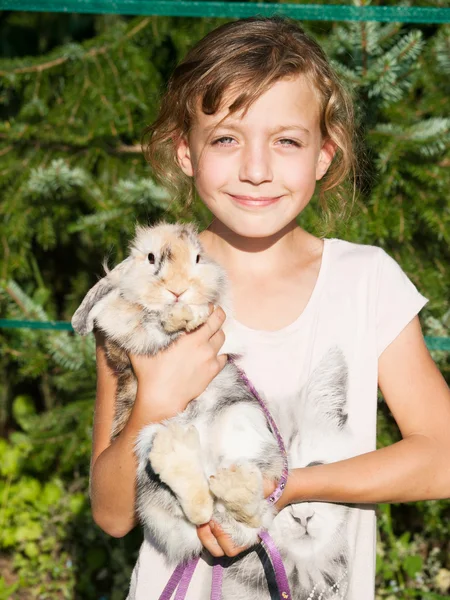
x: 398, y: 301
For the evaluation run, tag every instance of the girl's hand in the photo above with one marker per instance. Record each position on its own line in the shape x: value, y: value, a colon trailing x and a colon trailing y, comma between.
x: 217, y: 542
x: 177, y: 375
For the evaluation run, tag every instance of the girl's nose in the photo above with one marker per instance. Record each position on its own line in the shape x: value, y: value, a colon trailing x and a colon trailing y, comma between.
x: 256, y: 167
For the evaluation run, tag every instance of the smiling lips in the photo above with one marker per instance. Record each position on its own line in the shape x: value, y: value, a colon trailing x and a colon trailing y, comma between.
x: 250, y: 201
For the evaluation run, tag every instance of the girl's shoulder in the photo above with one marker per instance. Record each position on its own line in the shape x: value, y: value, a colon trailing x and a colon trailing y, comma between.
x: 349, y: 263
x: 353, y: 250
x: 353, y: 258
x: 370, y: 275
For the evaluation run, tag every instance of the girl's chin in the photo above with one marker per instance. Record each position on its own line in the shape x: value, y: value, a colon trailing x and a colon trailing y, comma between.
x: 248, y: 228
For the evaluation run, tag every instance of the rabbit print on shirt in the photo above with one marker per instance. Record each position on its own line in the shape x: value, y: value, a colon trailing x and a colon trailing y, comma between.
x: 208, y: 461
x: 311, y: 536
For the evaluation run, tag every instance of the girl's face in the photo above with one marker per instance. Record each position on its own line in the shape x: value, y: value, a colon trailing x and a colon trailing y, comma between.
x: 256, y: 172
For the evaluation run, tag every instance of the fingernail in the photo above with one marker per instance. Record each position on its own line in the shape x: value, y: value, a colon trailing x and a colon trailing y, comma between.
x: 211, y: 524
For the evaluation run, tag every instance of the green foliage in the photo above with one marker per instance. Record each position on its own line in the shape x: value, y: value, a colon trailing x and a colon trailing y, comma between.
x: 408, y: 564
x: 76, y: 92
x: 7, y: 591
x: 45, y: 521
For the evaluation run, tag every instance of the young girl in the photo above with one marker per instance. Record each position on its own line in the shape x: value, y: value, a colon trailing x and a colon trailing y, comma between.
x: 254, y: 117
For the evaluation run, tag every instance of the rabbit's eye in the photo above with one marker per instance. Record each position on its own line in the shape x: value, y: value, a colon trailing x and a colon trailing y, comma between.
x: 151, y: 258
x: 197, y: 260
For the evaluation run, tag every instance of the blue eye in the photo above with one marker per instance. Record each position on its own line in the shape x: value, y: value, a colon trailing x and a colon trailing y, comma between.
x: 289, y: 142
x: 221, y: 141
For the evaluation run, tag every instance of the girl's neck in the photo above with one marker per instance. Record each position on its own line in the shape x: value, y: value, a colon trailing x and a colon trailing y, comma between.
x: 279, y: 252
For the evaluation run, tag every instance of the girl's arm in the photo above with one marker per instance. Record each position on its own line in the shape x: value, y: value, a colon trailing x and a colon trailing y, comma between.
x: 417, y: 467
x: 166, y: 384
x: 113, y: 465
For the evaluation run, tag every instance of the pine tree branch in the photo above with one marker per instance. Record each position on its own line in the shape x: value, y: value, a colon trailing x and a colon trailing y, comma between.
x: 108, y: 105
x: 38, y: 68
x: 124, y: 149
x: 76, y: 106
x: 90, y: 54
x: 6, y: 256
x: 17, y: 300
x: 5, y: 150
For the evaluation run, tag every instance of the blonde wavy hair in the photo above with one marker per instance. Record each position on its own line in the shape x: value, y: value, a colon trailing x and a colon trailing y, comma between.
x: 251, y: 55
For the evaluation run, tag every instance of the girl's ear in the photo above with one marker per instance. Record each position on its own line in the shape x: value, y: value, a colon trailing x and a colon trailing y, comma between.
x: 326, y: 155
x: 184, y: 156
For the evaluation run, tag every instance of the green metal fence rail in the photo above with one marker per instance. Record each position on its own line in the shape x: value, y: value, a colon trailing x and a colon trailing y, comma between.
x: 433, y: 343
x: 186, y: 8
x: 56, y: 325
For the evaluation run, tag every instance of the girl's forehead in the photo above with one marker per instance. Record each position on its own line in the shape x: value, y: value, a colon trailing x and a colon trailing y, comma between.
x: 288, y: 103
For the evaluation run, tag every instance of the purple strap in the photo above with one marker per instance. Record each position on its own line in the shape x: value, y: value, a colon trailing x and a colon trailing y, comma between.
x: 277, y: 562
x: 278, y: 567
x: 217, y: 577
x: 186, y: 579
x: 276, y: 495
x: 182, y: 575
x: 184, y: 571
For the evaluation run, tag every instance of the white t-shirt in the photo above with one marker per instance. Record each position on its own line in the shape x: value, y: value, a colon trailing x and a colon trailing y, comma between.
x: 319, y: 377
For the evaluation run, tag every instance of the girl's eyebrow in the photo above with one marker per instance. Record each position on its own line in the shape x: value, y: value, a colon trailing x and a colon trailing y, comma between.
x: 289, y: 127
x: 279, y: 129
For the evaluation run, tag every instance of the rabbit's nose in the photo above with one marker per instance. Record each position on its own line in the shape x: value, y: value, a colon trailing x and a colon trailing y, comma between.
x: 177, y: 294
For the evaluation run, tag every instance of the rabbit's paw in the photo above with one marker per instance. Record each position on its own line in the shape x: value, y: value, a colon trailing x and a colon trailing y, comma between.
x: 240, y: 488
x: 175, y: 457
x: 199, y: 316
x: 179, y: 317
x: 176, y: 317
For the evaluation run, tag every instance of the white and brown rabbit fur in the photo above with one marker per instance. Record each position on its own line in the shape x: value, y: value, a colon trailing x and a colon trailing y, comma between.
x: 209, y: 460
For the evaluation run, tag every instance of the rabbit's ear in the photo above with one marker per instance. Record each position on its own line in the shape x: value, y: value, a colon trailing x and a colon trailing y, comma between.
x: 83, y: 319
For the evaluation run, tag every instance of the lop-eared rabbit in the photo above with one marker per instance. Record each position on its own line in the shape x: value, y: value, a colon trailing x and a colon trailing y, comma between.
x: 208, y: 461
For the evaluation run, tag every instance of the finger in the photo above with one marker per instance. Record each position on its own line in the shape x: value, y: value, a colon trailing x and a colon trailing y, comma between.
x: 216, y: 341
x: 222, y: 360
x: 225, y: 541
x: 212, y: 324
x: 208, y: 540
